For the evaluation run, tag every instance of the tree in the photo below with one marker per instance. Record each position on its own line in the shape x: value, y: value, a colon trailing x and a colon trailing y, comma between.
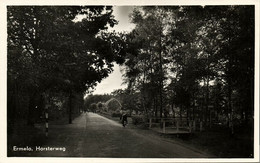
x: 191, y: 56
x: 56, y: 53
x: 146, y: 67
x: 238, y: 52
x: 218, y: 36
x: 90, y: 99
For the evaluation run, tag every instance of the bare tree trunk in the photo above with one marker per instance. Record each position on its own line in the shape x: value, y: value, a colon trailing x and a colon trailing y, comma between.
x: 161, y: 68
x: 173, y: 112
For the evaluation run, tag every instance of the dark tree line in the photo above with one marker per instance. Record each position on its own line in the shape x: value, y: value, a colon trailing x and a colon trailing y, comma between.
x: 53, y: 59
x: 195, y: 62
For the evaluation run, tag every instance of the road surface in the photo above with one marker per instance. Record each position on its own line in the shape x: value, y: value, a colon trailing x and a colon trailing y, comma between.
x: 91, y: 135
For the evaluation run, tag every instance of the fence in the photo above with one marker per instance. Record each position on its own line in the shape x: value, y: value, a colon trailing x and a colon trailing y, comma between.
x: 175, y: 125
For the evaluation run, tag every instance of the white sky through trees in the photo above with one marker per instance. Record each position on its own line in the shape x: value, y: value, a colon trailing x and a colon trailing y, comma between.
x: 114, y: 80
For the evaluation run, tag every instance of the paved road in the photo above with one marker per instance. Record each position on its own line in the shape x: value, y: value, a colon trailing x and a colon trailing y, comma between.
x: 92, y: 135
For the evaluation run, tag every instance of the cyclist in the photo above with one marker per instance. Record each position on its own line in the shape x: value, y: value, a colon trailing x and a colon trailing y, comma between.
x: 124, y: 119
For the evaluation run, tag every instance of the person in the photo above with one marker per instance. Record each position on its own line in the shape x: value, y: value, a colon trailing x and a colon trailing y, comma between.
x: 124, y: 119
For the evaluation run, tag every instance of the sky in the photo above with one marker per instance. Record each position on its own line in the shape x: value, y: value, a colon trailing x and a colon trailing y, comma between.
x: 111, y: 83
x: 114, y: 80
x: 121, y: 14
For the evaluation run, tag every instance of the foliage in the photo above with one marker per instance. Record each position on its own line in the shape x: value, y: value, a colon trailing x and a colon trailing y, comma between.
x: 49, y: 51
x: 129, y: 101
x: 189, y: 58
x: 113, y: 105
x: 95, y: 99
x: 116, y: 114
x: 136, y: 120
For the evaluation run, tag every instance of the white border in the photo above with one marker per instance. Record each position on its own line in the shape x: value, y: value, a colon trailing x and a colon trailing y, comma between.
x: 256, y: 109
x: 129, y: 2
x: 3, y: 70
x: 3, y: 82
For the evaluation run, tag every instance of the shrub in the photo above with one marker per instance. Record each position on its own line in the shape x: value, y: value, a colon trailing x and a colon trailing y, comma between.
x: 137, y: 119
x: 116, y: 114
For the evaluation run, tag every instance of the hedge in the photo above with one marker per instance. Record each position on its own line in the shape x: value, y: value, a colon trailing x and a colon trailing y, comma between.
x: 137, y: 119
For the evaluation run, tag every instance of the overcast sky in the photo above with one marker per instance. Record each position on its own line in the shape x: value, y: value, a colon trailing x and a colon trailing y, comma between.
x: 114, y: 80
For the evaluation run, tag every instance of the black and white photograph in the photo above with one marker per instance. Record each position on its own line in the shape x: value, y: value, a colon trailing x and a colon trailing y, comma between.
x: 145, y: 82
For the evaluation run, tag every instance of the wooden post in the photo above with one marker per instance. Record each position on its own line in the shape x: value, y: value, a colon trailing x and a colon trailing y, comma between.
x: 163, y: 126
x: 150, y: 123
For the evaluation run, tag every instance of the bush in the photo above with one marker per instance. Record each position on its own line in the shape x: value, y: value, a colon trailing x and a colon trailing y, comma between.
x: 137, y: 119
x: 116, y: 114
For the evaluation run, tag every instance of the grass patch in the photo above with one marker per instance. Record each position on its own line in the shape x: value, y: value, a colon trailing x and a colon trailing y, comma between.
x: 23, y: 136
x: 221, y: 144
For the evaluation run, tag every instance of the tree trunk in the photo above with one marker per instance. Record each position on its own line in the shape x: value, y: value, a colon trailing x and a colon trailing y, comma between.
x: 188, y: 114
x: 161, y: 69
x: 193, y: 110
x: 230, y: 109
x: 31, y: 115
x: 207, y: 103
x: 12, y: 105
x: 181, y: 107
x: 173, y: 112
x: 70, y: 107
x: 155, y: 108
